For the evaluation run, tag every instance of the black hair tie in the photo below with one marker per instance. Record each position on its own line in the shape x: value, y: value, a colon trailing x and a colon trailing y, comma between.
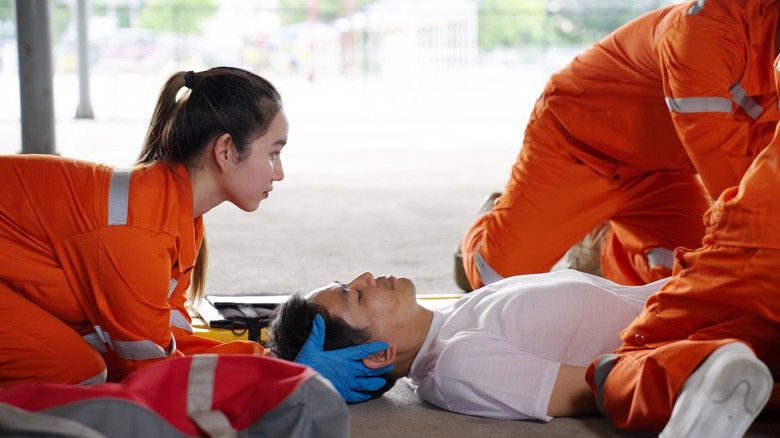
x: 188, y: 79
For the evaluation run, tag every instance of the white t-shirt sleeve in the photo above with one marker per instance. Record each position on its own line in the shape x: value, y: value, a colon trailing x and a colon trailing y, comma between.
x: 516, y: 385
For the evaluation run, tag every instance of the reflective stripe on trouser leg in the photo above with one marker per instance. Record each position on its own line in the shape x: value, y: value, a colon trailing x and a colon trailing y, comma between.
x: 486, y: 273
x: 660, y: 257
x: 602, y: 368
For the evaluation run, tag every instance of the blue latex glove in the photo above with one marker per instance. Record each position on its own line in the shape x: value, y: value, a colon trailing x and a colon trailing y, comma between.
x: 343, y: 367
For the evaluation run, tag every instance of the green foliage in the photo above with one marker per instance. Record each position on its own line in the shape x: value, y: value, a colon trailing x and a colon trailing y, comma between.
x: 7, y: 10
x: 60, y: 15
x: 296, y: 11
x: 507, y: 23
x: 178, y: 16
x: 579, y: 21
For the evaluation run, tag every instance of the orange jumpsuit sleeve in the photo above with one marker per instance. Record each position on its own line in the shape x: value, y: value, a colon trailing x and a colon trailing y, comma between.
x: 701, y: 60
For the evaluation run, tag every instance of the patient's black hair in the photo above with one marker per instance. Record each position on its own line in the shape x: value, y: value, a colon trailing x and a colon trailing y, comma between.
x: 291, y: 325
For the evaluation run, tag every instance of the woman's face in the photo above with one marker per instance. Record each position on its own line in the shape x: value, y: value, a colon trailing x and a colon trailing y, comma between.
x: 253, y: 178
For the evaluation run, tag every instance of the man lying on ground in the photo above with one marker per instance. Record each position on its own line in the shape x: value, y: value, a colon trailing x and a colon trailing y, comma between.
x: 515, y: 349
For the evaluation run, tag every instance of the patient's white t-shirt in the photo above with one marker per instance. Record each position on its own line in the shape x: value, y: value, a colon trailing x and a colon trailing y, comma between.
x: 496, y: 352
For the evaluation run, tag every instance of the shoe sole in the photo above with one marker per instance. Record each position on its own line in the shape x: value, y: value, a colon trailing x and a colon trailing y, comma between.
x: 724, y: 403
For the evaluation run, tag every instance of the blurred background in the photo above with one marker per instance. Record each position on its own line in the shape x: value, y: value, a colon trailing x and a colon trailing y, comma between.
x: 404, y: 114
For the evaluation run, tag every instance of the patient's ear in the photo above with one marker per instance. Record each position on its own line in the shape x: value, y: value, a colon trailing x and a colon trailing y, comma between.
x: 381, y: 359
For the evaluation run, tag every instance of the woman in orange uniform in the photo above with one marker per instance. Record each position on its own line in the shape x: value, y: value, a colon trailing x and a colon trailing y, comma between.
x: 96, y: 262
x: 696, y: 362
x: 621, y: 133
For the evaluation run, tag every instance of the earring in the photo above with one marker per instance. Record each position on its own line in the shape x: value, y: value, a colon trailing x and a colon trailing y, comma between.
x: 225, y: 165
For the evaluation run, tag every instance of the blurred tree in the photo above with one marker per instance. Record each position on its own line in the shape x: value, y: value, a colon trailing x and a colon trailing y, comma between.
x: 178, y: 16
x: 6, y: 10
x: 584, y: 21
x: 60, y: 13
x: 508, y: 23
x: 296, y: 11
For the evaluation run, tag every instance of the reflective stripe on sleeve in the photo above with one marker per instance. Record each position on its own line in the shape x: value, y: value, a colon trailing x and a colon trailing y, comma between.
x: 178, y: 320
x: 140, y: 350
x: 696, y: 7
x: 131, y: 350
x: 740, y: 97
x: 118, y: 196
x: 687, y: 105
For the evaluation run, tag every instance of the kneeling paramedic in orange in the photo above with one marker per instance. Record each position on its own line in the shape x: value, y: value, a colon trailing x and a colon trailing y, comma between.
x: 96, y: 261
x: 620, y: 135
x: 694, y: 362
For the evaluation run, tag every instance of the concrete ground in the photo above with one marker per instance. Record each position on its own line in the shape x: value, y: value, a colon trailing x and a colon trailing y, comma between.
x: 381, y: 177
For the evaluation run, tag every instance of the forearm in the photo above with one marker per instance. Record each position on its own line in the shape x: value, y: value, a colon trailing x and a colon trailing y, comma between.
x: 571, y: 395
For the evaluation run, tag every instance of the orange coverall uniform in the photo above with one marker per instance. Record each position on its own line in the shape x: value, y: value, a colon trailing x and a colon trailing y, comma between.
x: 620, y: 133
x: 95, y: 264
x: 726, y: 291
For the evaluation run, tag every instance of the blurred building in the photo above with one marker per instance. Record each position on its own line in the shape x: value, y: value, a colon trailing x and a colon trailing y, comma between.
x: 389, y: 37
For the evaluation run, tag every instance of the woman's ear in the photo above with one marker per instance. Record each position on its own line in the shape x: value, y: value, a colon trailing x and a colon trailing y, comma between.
x: 381, y: 359
x: 223, y: 151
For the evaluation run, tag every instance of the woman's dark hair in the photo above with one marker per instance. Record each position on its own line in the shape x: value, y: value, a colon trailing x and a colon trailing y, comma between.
x: 221, y: 100
x: 291, y: 325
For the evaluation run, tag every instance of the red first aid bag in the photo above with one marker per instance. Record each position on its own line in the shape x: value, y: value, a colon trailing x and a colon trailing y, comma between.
x: 199, y: 395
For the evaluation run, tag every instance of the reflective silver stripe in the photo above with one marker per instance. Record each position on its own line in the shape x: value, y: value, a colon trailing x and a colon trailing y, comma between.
x: 96, y: 343
x: 105, y: 337
x: 200, y: 394
x: 140, y: 350
x: 16, y: 421
x: 696, y: 7
x: 740, y: 97
x: 134, y: 350
x: 118, y: 195
x: 178, y: 320
x: 660, y: 257
x: 686, y: 105
x: 96, y: 379
x: 174, y: 282
x: 601, y: 370
x: 486, y: 273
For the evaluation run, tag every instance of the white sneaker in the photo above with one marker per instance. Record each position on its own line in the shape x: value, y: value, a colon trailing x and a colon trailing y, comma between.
x: 722, y: 397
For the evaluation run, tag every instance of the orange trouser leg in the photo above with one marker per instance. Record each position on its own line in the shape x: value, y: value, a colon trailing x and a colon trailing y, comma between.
x: 727, y: 290
x: 724, y: 294
x: 552, y: 200
x: 636, y: 390
x: 657, y: 210
x: 36, y: 347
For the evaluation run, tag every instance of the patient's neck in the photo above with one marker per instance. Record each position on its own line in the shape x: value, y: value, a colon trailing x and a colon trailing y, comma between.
x: 416, y: 338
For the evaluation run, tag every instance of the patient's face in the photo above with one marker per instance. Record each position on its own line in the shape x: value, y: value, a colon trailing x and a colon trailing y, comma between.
x: 387, y: 306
